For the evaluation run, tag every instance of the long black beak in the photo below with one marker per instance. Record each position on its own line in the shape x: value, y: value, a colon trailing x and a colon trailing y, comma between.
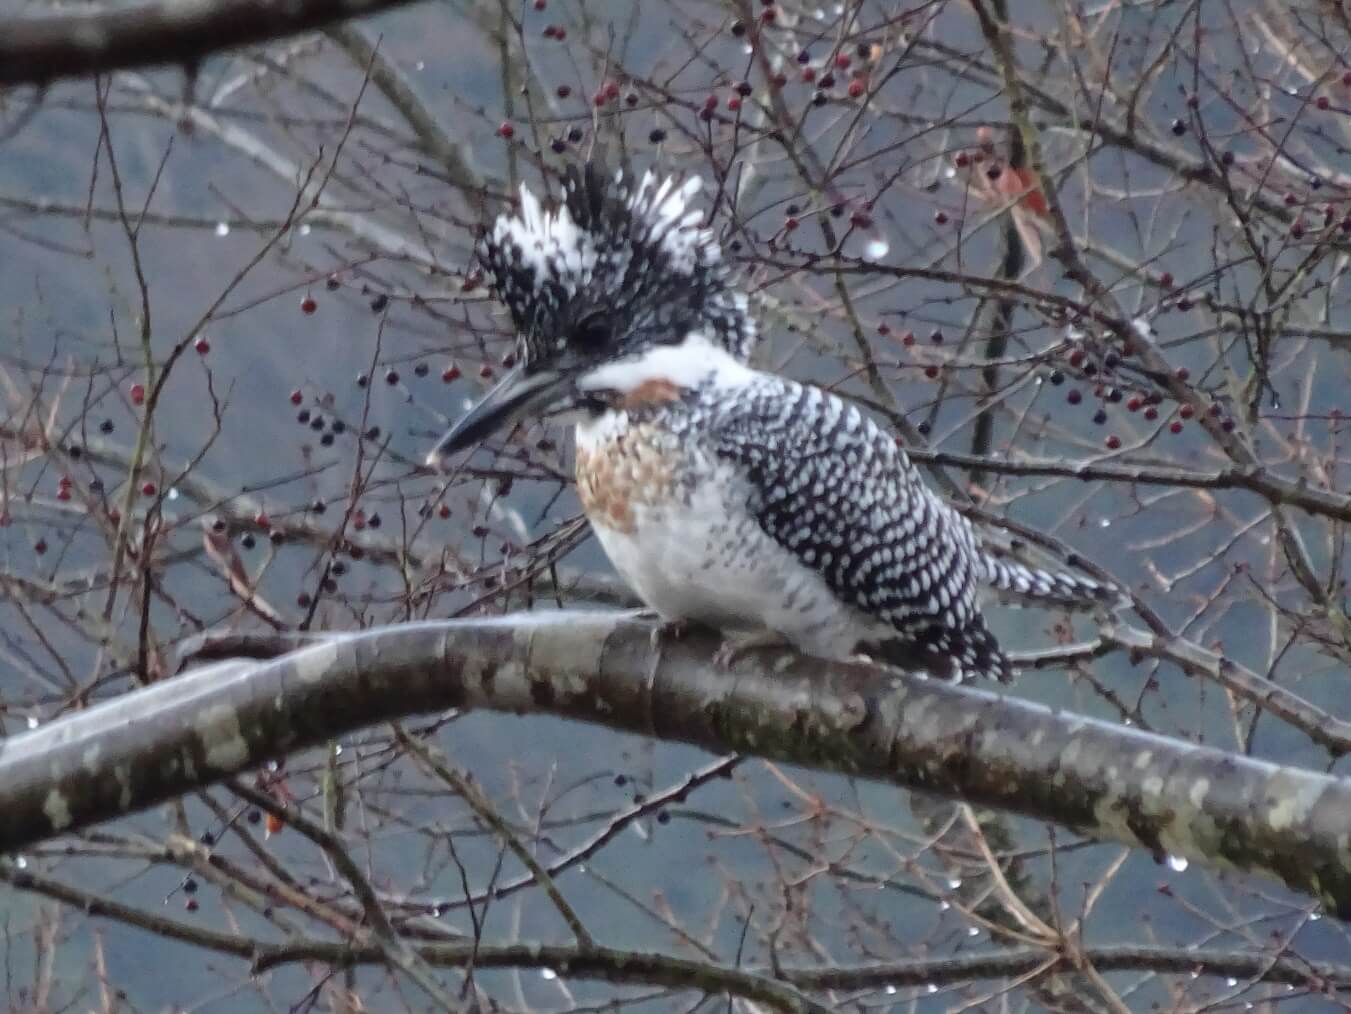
x: 515, y: 396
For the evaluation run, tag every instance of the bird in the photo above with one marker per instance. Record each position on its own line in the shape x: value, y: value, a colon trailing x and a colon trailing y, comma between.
x: 771, y: 510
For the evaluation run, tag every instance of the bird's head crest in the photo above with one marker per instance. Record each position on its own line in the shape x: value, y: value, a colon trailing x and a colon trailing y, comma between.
x: 614, y: 268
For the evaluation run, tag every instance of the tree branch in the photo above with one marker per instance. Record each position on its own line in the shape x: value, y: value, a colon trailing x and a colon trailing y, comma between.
x: 40, y: 50
x: 1109, y: 782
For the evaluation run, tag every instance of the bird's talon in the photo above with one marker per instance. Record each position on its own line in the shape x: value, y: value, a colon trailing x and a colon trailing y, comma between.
x: 730, y: 652
x: 668, y: 630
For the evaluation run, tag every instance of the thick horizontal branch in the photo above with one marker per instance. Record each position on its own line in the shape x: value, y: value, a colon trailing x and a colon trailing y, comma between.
x: 1109, y: 782
x: 38, y: 50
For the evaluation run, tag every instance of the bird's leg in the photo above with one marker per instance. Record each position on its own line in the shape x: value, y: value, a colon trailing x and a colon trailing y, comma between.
x: 668, y: 630
x: 732, y: 650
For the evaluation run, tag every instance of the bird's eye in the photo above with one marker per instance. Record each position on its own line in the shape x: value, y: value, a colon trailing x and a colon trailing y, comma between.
x: 591, y: 335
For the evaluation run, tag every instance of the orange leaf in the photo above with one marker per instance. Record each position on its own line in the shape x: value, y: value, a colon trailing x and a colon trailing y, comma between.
x: 1022, y: 181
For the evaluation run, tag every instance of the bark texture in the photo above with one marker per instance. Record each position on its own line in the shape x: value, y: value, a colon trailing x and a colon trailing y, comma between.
x: 38, y: 50
x: 1106, y: 781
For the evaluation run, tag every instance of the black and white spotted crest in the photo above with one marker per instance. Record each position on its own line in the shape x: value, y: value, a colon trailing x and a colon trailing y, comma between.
x: 613, y: 269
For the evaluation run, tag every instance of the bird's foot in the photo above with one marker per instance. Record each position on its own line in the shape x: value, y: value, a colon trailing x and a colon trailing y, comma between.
x: 732, y: 650
x: 667, y: 631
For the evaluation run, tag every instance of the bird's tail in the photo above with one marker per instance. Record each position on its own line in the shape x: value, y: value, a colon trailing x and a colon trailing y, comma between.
x: 1032, y: 586
x: 955, y: 655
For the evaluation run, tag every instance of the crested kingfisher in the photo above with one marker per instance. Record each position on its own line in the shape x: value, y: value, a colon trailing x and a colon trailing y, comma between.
x: 722, y: 494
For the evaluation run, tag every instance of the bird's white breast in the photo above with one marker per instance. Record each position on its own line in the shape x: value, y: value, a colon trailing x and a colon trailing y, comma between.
x: 676, y: 525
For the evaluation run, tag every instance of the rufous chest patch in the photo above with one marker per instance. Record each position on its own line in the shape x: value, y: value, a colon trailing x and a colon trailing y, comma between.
x: 624, y: 471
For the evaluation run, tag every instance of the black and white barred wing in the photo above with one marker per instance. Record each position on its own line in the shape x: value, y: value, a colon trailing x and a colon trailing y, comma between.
x: 828, y: 485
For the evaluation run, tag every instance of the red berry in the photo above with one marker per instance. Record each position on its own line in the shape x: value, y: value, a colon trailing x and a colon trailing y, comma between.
x: 940, y: 218
x: 485, y: 371
x: 1133, y: 405
x: 790, y: 223
x: 560, y: 33
x: 202, y: 346
x: 63, y: 493
x: 857, y: 87
x: 611, y: 90
x: 599, y: 98
x: 734, y: 103
x: 1186, y: 411
x: 963, y: 160
x: 308, y: 305
x: 1322, y: 102
x: 884, y: 329
x: 541, y: 4
x: 1346, y: 78
x: 147, y: 488
x: 138, y: 394
x: 1183, y: 373
x: 296, y: 396
x: 711, y: 102
x: 40, y: 546
x: 450, y: 374
x: 1074, y: 397
x: 808, y: 73
x: 768, y: 15
x: 842, y: 60
x: 908, y: 339
x: 563, y: 91
x: 443, y: 511
x: 1151, y: 413
x: 506, y: 130
x: 1113, y: 442
x: 931, y: 372
x: 1166, y: 280
x: 1175, y: 426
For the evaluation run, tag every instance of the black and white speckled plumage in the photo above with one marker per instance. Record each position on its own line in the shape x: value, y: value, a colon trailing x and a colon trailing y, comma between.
x: 727, y: 495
